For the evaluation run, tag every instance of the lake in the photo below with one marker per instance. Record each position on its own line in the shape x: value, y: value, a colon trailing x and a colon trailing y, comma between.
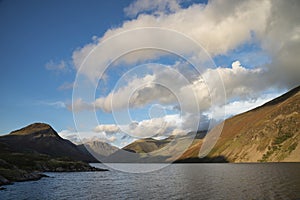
x: 177, y: 181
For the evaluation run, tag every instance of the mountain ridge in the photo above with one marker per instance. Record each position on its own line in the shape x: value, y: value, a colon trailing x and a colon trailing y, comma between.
x: 268, y: 133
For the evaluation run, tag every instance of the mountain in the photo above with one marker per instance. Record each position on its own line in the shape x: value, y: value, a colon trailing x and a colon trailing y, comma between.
x: 269, y: 133
x: 152, y: 150
x: 97, y: 148
x: 43, y: 139
x: 36, y: 148
x: 147, y: 145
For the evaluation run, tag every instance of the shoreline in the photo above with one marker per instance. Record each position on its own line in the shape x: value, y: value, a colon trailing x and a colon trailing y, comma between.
x: 18, y: 175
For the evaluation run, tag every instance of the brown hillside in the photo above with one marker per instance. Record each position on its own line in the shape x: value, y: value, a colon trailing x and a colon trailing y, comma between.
x: 269, y: 133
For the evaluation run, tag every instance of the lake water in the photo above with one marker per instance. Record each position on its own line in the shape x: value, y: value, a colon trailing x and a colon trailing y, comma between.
x: 177, y: 181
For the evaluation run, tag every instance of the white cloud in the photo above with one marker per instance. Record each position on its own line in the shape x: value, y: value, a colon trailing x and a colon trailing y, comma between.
x: 107, y: 128
x: 239, y: 81
x: 87, y: 136
x: 111, y: 139
x: 66, y: 86
x: 241, y: 106
x: 122, y: 95
x: 163, y: 126
x: 177, y: 132
x: 154, y: 127
x: 55, y: 104
x: 218, y: 27
x: 167, y: 86
x: 70, y: 135
x: 60, y: 66
x: 173, y: 88
x: 124, y: 134
x: 79, y: 105
x: 282, y: 41
x: 158, y: 6
x: 157, y: 127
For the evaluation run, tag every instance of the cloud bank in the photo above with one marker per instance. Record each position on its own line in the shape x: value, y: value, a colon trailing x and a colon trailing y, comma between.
x: 219, y: 27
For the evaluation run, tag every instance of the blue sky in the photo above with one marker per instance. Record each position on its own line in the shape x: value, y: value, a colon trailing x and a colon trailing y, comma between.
x: 43, y: 44
x: 34, y: 33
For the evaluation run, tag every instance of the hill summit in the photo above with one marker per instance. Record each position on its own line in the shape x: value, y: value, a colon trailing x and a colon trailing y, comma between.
x: 36, y: 129
x: 41, y: 138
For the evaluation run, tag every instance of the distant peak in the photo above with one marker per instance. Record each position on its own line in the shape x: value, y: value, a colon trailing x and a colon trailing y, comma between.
x: 36, y: 129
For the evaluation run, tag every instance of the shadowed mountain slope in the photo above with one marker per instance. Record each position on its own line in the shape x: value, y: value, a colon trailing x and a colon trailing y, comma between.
x: 41, y: 138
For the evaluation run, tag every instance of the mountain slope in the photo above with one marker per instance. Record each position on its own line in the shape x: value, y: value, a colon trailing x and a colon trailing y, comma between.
x: 41, y: 138
x: 152, y: 150
x: 269, y: 133
x: 147, y: 145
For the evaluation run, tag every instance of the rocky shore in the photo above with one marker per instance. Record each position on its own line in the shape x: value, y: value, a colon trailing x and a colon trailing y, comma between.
x: 10, y: 173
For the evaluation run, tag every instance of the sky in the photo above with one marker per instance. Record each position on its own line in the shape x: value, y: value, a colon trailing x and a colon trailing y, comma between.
x: 87, y: 69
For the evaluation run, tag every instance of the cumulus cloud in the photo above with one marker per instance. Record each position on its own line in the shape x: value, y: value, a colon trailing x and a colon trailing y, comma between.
x: 154, y: 127
x: 282, y: 41
x: 163, y: 126
x: 174, y: 89
x: 240, y: 81
x: 122, y: 95
x: 107, y: 128
x: 219, y: 26
x: 157, y: 127
x: 168, y: 87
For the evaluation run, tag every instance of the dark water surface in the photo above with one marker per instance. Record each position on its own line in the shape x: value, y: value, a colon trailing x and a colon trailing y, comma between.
x: 177, y: 181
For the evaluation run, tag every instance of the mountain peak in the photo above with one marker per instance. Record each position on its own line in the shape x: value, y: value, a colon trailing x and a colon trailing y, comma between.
x: 36, y: 129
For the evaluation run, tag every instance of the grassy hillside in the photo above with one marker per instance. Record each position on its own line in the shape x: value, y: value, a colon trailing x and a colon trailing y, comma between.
x: 269, y: 133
